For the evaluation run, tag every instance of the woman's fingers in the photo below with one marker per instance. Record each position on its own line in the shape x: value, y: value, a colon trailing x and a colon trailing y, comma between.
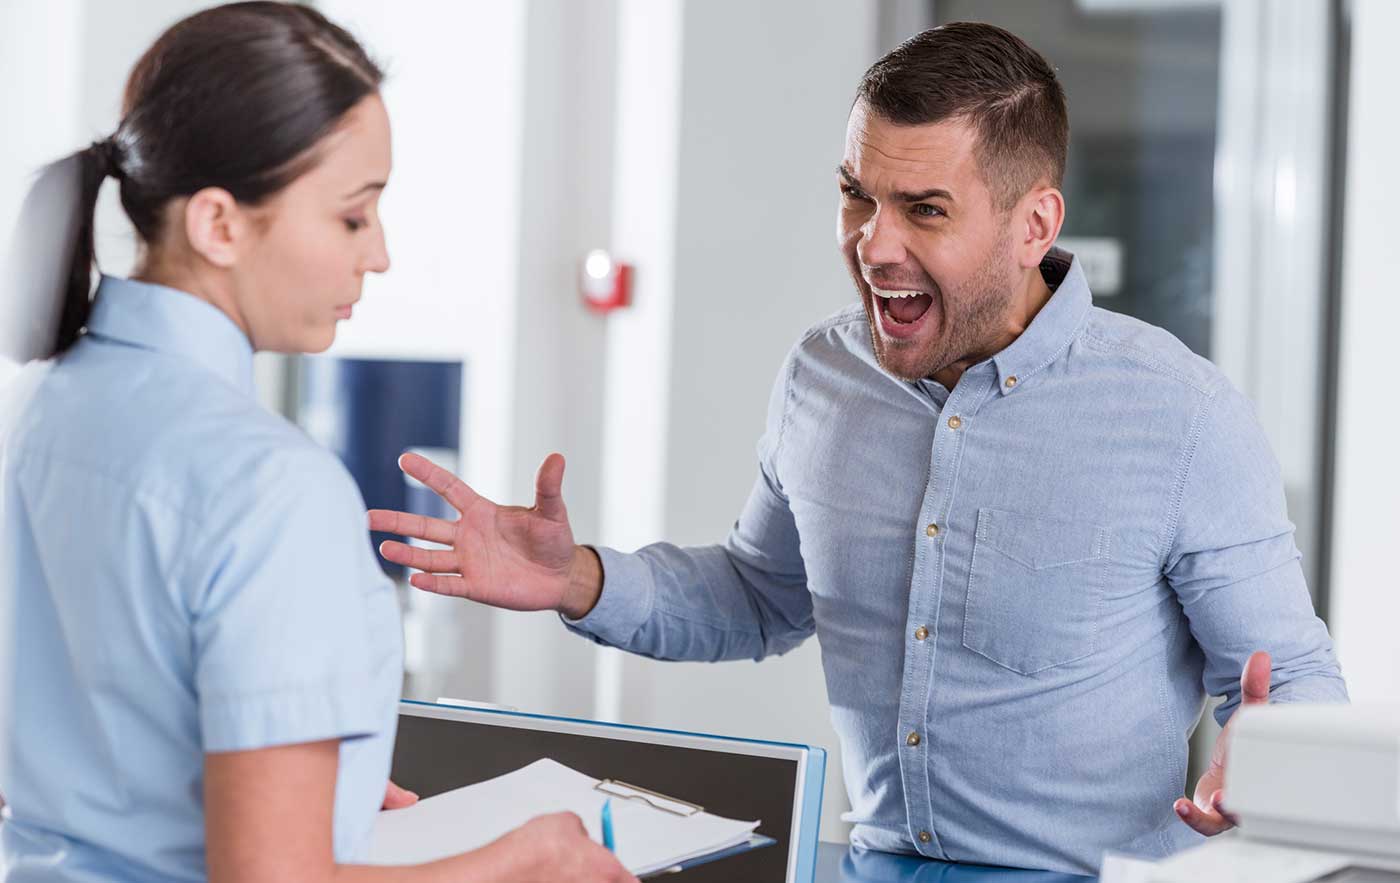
x: 431, y: 560
x: 406, y: 524
x: 396, y: 797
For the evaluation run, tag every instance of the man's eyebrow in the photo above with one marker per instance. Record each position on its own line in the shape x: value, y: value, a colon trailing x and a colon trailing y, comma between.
x: 935, y: 193
x: 900, y: 195
x: 373, y: 185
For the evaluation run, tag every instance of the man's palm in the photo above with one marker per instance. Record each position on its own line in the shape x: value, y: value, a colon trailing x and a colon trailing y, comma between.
x: 1205, y: 811
x: 505, y: 556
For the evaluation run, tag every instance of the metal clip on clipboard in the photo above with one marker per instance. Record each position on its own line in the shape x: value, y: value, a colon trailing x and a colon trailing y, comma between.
x: 654, y: 799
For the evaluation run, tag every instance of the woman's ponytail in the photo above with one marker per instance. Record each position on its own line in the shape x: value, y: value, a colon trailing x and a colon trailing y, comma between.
x: 235, y: 97
x: 95, y: 164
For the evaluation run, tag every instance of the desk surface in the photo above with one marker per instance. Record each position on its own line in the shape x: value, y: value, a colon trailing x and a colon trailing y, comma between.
x: 840, y: 864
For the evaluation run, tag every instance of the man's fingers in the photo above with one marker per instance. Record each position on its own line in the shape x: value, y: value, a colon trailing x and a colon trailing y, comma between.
x: 431, y: 560
x: 1217, y: 803
x: 440, y: 584
x: 1254, y: 682
x: 549, y: 488
x: 1207, y: 822
x: 444, y: 483
x: 406, y: 524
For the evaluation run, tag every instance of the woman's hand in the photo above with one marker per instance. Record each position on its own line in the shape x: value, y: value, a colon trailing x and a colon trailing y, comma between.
x: 504, y: 556
x: 269, y: 818
x: 398, y: 798
x: 557, y: 847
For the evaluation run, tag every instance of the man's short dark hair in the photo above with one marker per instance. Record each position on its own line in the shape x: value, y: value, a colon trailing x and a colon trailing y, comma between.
x: 993, y: 80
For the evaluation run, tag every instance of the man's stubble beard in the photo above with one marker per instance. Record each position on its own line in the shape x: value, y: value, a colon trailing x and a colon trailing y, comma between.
x: 973, y: 319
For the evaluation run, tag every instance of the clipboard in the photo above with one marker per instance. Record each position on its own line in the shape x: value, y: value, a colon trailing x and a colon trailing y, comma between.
x: 442, y: 747
x: 684, y: 809
x: 756, y: 841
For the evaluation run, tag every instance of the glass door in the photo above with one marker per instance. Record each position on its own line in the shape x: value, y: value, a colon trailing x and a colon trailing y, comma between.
x: 1197, y: 190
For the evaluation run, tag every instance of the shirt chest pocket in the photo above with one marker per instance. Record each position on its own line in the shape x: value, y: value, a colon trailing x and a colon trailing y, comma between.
x: 1034, y: 590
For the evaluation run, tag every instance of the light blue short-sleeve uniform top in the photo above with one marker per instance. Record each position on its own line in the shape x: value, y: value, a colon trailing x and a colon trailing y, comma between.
x: 183, y: 573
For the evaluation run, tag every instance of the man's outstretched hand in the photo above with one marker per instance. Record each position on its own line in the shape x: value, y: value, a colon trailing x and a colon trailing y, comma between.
x: 1205, y: 814
x: 504, y: 556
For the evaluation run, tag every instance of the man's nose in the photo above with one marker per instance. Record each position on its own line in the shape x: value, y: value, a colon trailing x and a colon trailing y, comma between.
x: 881, y: 241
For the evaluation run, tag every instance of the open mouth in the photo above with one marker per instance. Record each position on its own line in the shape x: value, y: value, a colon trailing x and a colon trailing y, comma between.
x: 903, y: 307
x: 902, y: 311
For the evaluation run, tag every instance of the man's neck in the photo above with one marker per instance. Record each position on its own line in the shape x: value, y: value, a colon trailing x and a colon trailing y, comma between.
x: 1031, y: 296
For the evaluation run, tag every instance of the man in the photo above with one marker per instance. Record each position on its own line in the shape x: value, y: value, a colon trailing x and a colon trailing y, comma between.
x: 1031, y: 535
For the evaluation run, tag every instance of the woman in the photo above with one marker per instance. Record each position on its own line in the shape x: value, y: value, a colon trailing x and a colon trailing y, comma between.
x: 205, y: 658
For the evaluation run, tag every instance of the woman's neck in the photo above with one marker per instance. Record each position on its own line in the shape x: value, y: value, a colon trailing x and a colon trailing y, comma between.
x: 209, y: 285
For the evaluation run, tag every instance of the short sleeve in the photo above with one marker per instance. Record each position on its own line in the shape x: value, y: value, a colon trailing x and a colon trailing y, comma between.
x: 286, y: 646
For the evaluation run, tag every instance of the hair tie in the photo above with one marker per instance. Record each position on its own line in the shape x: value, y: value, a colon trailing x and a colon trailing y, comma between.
x: 109, y: 152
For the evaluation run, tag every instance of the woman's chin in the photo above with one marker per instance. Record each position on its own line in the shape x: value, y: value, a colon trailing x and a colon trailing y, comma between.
x: 320, y: 342
x: 312, y: 341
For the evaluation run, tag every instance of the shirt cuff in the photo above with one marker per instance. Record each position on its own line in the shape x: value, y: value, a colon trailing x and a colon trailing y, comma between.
x: 625, y: 603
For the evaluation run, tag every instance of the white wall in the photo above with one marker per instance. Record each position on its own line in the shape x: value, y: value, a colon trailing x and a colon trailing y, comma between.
x: 1365, y: 604
x: 565, y: 196
x: 452, y: 209
x: 747, y: 259
x: 64, y: 64
x: 28, y: 33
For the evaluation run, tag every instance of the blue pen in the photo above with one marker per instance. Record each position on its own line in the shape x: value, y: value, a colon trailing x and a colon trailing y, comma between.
x: 607, y: 825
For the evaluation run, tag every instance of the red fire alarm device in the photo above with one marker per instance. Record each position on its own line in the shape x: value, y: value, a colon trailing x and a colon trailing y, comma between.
x: 606, y: 284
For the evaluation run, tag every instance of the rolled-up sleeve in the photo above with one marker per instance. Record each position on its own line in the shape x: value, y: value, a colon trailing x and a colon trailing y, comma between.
x: 284, y: 648
x: 744, y: 599
x: 1235, y: 568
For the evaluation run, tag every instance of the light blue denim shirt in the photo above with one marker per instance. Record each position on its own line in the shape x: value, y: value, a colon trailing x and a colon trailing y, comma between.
x: 1024, y: 587
x: 183, y: 572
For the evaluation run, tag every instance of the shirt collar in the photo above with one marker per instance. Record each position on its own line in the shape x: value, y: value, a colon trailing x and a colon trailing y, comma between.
x: 169, y: 321
x: 1052, y: 329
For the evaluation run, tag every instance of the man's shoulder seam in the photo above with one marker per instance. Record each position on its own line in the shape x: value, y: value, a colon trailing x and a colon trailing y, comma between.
x: 848, y: 316
x: 1147, y: 359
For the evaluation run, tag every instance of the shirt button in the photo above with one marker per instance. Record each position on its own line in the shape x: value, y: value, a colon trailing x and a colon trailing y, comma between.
x: 925, y: 837
x: 1011, y: 381
x: 954, y: 422
x: 931, y: 530
x: 913, y: 740
x: 921, y: 633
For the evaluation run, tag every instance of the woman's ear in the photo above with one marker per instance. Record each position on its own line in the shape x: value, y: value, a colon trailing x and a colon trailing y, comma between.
x: 1043, y: 210
x: 216, y: 226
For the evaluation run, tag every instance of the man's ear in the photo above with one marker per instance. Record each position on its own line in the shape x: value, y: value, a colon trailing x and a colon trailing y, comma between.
x: 1043, y: 214
x: 216, y: 226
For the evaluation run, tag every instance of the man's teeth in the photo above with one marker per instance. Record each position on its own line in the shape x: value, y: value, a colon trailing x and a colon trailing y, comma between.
x: 880, y: 292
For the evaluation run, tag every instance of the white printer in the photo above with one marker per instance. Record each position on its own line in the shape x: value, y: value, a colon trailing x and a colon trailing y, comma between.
x: 1316, y: 790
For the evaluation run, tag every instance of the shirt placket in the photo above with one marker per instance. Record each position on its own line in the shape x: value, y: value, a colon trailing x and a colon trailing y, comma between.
x: 915, y: 742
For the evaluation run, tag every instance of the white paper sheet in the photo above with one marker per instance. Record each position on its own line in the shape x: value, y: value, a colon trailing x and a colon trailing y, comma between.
x: 457, y: 821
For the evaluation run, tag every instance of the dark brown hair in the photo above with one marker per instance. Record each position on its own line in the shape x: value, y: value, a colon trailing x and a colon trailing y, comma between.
x: 990, y: 77
x: 234, y: 97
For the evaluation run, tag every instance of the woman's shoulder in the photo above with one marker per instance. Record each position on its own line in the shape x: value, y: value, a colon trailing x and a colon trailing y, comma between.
x: 170, y: 434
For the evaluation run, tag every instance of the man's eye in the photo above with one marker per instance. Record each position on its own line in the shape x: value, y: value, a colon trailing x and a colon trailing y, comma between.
x: 355, y: 225
x: 924, y: 210
x: 853, y: 193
